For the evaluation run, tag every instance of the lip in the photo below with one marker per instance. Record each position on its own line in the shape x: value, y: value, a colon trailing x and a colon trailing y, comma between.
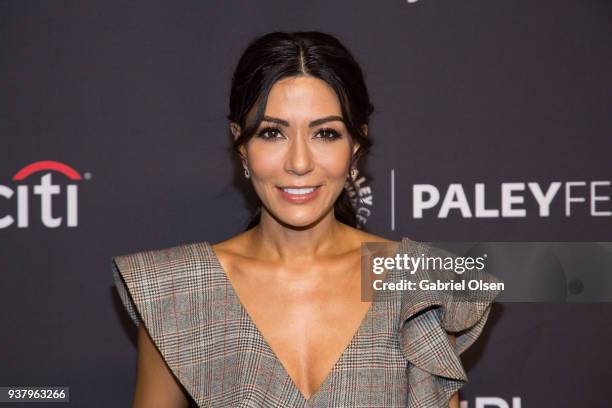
x: 299, y: 198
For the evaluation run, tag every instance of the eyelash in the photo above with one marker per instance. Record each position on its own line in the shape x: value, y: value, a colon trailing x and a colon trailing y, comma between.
x: 334, y: 134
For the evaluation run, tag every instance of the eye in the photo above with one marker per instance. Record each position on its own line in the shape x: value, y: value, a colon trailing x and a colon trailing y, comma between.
x: 329, y: 134
x: 269, y: 133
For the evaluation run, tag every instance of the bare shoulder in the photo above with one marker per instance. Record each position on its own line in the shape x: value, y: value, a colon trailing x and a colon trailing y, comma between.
x: 357, y: 237
x: 367, y: 237
x: 363, y: 236
x: 234, y: 250
x: 233, y: 244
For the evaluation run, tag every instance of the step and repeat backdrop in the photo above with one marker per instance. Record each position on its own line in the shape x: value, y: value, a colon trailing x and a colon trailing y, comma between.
x: 492, y: 122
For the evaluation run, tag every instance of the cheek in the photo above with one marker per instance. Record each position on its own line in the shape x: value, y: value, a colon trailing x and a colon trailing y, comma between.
x: 334, y: 168
x: 264, y: 161
x: 335, y: 162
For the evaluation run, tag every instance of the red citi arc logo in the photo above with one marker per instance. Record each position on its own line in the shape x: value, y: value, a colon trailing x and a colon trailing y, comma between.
x: 46, y: 190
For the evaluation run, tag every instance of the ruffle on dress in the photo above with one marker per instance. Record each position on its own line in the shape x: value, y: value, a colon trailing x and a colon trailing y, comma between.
x: 159, y: 288
x: 426, y: 320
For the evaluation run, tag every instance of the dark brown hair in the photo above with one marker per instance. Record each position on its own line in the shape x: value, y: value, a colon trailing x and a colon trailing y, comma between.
x: 278, y: 55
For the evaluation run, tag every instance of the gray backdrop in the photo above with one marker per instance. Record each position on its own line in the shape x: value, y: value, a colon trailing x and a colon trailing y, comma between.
x: 133, y: 96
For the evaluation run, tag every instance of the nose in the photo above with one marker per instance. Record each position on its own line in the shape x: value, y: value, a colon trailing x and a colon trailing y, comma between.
x: 299, y: 157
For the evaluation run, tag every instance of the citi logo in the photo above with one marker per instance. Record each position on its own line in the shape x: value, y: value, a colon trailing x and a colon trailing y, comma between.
x: 46, y: 190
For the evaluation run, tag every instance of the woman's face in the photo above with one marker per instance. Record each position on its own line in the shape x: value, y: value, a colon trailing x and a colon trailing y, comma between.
x: 300, y: 155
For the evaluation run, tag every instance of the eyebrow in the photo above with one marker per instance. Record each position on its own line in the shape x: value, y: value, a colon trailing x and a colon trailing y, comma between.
x: 313, y: 123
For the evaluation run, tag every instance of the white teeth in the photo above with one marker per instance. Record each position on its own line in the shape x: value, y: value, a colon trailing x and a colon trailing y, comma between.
x: 299, y: 191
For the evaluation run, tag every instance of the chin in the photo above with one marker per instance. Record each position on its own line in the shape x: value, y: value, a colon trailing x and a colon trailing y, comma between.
x: 299, y: 220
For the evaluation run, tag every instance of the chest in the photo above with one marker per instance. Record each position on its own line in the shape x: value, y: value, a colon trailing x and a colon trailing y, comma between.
x: 307, y: 319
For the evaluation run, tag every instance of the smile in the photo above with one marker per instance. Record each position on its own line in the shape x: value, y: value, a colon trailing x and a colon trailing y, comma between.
x: 299, y: 191
x: 299, y: 195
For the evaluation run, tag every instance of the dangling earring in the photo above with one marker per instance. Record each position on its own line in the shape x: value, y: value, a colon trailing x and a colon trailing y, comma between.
x: 354, y: 173
x: 247, y: 173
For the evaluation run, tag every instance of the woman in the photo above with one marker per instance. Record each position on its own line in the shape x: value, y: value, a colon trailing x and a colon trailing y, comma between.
x: 272, y: 317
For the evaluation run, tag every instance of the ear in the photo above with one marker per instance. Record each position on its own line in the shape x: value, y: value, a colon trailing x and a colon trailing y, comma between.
x: 242, y: 153
x: 235, y: 129
x: 364, y: 129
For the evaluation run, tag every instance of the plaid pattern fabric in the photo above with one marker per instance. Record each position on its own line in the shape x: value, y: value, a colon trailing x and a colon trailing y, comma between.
x: 399, y: 357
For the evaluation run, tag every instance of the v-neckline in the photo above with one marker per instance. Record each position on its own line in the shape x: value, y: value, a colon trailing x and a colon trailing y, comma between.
x: 251, y: 323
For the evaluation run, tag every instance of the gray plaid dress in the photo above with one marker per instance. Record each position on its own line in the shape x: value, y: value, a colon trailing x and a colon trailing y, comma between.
x: 399, y: 357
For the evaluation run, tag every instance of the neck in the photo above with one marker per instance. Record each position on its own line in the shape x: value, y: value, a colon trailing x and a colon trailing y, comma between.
x: 280, y: 243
